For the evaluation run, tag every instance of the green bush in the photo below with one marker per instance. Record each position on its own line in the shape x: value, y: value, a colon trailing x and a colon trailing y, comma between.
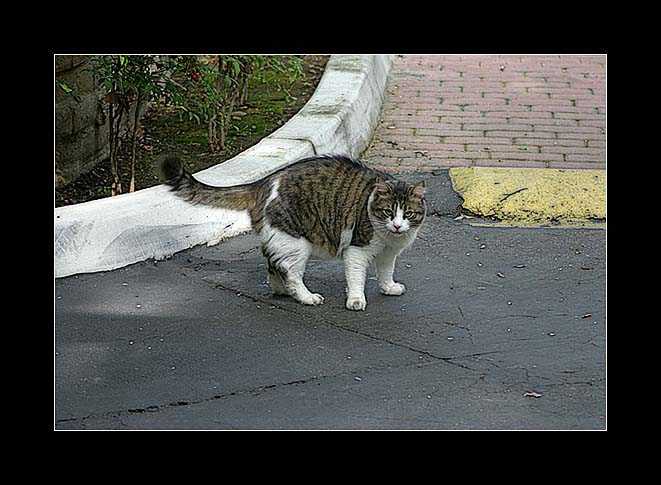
x: 202, y: 88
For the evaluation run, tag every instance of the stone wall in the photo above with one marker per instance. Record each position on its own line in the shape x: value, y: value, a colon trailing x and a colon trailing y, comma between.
x: 81, y: 124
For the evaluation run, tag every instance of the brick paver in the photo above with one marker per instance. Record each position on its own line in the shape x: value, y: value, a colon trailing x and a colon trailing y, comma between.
x: 487, y: 110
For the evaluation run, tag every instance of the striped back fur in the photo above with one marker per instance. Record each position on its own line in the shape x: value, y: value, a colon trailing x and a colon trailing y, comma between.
x: 319, y: 198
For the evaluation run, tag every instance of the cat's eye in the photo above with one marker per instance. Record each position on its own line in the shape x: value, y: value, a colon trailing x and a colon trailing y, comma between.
x: 386, y: 212
x: 409, y: 214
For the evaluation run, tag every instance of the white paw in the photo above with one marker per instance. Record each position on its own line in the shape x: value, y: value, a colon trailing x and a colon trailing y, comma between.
x: 395, y: 289
x: 356, y: 303
x: 312, y: 299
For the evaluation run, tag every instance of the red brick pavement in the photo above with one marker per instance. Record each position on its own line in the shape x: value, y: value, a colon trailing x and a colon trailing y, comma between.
x: 488, y: 110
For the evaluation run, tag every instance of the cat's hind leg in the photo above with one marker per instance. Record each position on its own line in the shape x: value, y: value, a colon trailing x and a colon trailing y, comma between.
x: 298, y: 290
x: 287, y: 257
x: 276, y: 280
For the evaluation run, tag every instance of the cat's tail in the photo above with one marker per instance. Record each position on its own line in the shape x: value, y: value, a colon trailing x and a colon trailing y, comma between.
x: 184, y: 185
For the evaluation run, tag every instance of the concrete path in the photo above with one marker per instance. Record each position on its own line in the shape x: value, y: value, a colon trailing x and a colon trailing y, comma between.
x: 499, y: 329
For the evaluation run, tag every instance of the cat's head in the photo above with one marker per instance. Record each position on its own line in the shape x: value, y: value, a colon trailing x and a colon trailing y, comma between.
x: 396, y: 207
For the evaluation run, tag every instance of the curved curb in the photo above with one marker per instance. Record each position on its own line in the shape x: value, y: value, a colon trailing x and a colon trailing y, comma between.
x: 110, y: 233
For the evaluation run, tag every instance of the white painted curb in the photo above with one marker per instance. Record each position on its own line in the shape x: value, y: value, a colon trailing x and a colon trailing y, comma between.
x: 110, y: 233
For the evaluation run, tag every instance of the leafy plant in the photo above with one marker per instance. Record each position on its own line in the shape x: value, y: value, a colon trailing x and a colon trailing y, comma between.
x: 130, y: 82
x: 205, y: 89
x: 64, y: 87
x: 215, y: 85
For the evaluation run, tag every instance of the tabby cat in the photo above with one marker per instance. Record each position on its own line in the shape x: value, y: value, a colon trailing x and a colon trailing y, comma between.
x: 328, y: 205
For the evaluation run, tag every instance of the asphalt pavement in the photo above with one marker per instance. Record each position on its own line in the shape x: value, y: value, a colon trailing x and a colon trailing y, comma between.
x: 501, y: 328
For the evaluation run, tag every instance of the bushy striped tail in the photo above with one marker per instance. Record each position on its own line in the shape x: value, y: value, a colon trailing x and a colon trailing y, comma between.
x: 184, y: 185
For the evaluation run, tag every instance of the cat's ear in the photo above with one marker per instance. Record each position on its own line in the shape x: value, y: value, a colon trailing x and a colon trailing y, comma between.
x: 380, y: 185
x: 419, y: 189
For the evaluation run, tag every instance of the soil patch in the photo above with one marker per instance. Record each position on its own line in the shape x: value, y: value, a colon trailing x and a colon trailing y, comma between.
x: 271, y: 102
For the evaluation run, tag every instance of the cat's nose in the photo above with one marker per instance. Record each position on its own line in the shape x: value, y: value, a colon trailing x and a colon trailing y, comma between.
x: 396, y: 227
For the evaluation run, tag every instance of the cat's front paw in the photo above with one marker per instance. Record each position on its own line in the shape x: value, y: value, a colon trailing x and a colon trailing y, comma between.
x: 394, y: 289
x: 357, y: 303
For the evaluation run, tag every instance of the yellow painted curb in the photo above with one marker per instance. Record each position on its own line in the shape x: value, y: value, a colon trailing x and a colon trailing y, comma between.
x: 532, y: 195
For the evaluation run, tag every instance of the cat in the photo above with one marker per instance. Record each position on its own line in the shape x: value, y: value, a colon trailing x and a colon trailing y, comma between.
x: 324, y: 205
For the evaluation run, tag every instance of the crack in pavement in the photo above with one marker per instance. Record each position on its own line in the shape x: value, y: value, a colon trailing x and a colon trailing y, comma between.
x: 271, y: 303
x: 182, y: 402
x: 155, y: 408
x: 449, y: 360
